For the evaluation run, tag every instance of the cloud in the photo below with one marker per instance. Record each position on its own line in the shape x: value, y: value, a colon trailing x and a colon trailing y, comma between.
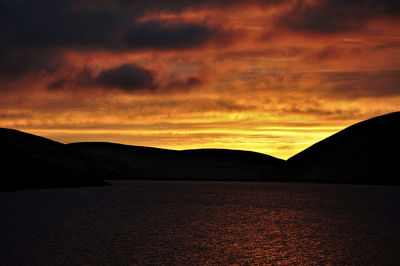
x: 35, y: 34
x: 320, y: 111
x: 56, y: 24
x: 324, y: 54
x: 16, y: 64
x: 82, y: 80
x: 270, y: 53
x: 64, y: 24
x: 57, y: 84
x: 361, y: 84
x: 336, y: 16
x: 186, y: 83
x: 179, y: 5
x: 128, y: 77
x: 155, y: 34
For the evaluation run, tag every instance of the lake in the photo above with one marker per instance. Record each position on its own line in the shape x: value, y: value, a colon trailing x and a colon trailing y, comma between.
x: 154, y: 222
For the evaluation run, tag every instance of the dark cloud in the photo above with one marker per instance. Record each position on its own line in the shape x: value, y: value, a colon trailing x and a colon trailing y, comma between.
x: 34, y: 32
x: 112, y: 25
x: 56, y: 24
x: 30, y: 29
x: 57, y: 84
x: 179, y: 5
x: 157, y: 35
x: 361, y: 84
x: 84, y: 79
x: 15, y: 64
x: 53, y: 27
x: 282, y: 52
x: 127, y: 77
x: 183, y: 83
x: 335, y: 16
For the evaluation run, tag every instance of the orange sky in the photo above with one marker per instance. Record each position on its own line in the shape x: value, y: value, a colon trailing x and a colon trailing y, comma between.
x: 267, y: 76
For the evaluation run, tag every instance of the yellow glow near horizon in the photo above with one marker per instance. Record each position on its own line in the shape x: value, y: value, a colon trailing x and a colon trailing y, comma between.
x: 280, y: 142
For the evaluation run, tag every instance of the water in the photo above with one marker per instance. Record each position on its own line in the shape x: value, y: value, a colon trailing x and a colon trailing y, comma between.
x: 138, y: 222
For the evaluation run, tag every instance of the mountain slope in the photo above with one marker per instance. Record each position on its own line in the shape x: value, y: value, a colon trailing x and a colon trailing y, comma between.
x: 29, y: 161
x: 367, y: 152
x: 134, y: 162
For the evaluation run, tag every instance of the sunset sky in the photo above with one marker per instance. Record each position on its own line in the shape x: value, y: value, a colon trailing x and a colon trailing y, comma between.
x: 272, y: 76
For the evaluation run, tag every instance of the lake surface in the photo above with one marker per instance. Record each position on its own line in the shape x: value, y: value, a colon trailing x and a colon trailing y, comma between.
x: 152, y: 222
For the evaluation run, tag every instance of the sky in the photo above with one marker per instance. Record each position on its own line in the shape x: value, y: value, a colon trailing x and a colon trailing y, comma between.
x: 272, y: 76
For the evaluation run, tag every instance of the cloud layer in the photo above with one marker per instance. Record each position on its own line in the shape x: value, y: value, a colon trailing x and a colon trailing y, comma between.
x: 266, y: 75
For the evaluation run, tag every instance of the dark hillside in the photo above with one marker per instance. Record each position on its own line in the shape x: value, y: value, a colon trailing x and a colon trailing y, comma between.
x: 30, y: 161
x: 135, y: 162
x: 367, y: 153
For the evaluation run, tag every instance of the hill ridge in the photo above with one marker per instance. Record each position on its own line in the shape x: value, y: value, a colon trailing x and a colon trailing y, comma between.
x: 360, y: 153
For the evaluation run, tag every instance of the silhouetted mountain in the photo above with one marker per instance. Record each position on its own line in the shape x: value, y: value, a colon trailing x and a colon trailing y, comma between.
x: 135, y: 162
x: 367, y: 153
x: 29, y: 161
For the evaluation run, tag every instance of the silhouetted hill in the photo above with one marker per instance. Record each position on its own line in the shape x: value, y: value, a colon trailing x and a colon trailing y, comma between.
x: 135, y: 162
x: 367, y: 152
x: 29, y: 161
x: 231, y: 156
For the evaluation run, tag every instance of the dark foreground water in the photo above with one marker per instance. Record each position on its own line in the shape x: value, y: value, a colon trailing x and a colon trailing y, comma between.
x: 191, y: 223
